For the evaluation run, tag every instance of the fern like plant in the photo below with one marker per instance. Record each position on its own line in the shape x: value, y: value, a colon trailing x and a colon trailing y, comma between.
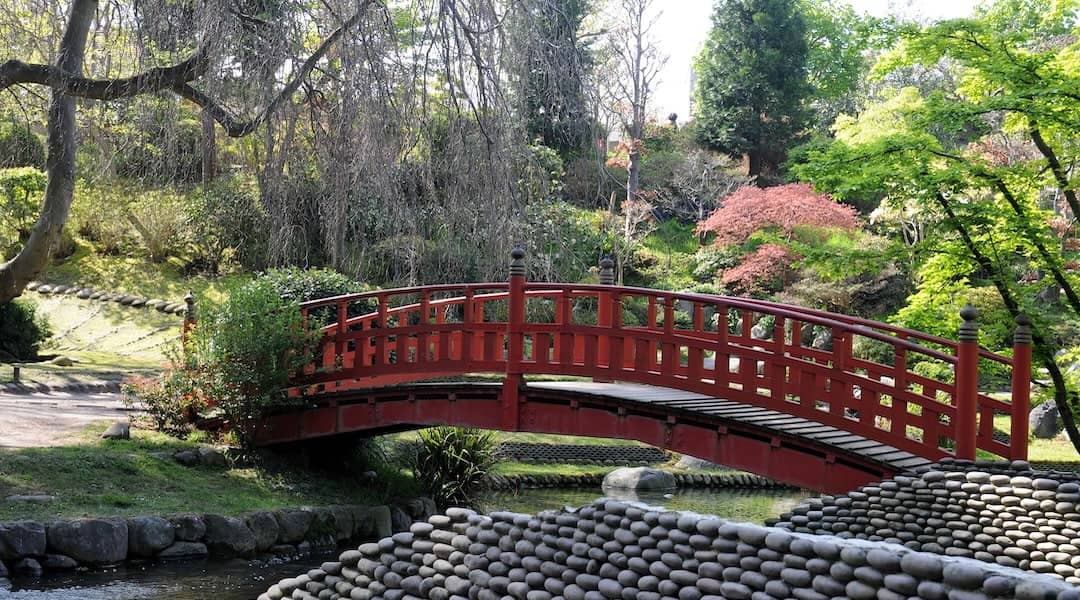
x: 451, y: 462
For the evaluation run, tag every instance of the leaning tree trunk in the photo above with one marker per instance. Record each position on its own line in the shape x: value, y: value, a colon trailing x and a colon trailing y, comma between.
x: 60, y: 165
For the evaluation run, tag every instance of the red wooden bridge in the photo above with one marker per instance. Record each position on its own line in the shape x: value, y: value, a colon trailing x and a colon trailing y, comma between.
x: 815, y: 399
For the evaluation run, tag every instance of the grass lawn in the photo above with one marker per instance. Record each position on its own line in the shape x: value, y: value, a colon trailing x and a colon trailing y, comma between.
x: 95, y: 477
x: 1059, y: 449
x: 135, y: 275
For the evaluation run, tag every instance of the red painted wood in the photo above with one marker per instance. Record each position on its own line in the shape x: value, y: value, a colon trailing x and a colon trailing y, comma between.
x: 671, y: 340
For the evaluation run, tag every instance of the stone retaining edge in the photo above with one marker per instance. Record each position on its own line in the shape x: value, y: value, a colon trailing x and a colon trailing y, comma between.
x: 32, y: 547
x: 682, y: 480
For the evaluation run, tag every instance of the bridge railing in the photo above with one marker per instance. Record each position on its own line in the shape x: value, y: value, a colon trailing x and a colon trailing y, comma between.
x: 917, y: 392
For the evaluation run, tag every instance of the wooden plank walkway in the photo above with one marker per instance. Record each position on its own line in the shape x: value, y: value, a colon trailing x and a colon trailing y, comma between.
x: 763, y: 418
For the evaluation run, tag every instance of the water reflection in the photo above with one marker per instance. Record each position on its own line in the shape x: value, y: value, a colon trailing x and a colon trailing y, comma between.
x: 187, y: 580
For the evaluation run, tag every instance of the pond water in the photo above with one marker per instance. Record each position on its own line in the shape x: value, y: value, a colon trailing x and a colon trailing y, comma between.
x: 244, y: 580
x: 185, y: 580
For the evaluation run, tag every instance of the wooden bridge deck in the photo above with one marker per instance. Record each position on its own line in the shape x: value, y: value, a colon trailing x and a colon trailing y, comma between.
x: 769, y: 421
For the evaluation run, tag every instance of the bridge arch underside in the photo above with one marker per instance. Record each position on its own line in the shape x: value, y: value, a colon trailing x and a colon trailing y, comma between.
x: 812, y: 456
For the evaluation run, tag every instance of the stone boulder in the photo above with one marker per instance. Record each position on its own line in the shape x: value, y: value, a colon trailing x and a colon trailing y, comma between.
x: 691, y: 462
x: 1044, y: 421
x: 183, y: 550
x: 228, y: 537
x: 59, y: 562
x: 21, y: 538
x: 265, y: 528
x: 27, y: 567
x: 294, y: 525
x: 149, y: 535
x: 120, y: 430
x: 188, y: 527
x: 90, y: 541
x: 639, y: 478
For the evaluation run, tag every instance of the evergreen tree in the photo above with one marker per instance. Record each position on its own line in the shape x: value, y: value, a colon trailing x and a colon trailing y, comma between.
x: 751, y: 81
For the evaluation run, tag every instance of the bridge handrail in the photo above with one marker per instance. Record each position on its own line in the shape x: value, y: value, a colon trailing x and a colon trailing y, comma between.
x: 866, y: 328
x: 411, y: 334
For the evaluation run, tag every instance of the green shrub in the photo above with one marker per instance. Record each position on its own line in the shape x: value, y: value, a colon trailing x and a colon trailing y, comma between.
x: 158, y: 217
x: 451, y: 462
x: 226, y: 222
x: 21, y: 191
x: 98, y: 214
x: 171, y: 400
x: 238, y: 358
x: 20, y: 147
x: 297, y: 285
x: 22, y: 330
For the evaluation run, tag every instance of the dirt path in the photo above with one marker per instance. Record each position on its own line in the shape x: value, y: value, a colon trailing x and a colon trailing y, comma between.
x: 35, y: 420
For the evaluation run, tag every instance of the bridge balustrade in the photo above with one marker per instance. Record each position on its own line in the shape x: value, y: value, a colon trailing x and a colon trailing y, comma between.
x: 908, y: 389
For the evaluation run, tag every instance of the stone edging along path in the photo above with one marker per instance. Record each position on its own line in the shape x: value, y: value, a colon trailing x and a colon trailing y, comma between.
x: 613, y: 550
x: 133, y: 301
x: 593, y: 480
x: 30, y: 547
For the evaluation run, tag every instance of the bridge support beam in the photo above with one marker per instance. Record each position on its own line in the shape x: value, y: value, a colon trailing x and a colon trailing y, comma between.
x: 967, y: 384
x: 515, y: 346
x: 1021, y: 387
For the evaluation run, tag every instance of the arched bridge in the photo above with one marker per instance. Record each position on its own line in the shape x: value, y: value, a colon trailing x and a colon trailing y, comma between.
x: 815, y: 399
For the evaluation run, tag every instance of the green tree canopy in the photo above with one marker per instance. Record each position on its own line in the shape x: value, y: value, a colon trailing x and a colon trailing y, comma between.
x: 752, y: 80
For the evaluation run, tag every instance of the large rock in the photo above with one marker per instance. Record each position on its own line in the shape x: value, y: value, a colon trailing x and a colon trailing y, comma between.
x: 149, y: 535
x: 228, y: 537
x: 184, y: 550
x: 265, y: 528
x: 1044, y: 421
x: 90, y: 541
x: 293, y: 524
x: 120, y: 430
x: 21, y: 538
x: 188, y: 527
x: 639, y: 478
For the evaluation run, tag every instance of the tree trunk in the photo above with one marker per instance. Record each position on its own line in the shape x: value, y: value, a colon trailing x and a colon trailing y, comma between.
x: 209, y: 148
x: 60, y: 165
x: 632, y: 172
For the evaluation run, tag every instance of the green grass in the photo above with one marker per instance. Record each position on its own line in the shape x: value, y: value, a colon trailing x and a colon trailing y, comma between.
x: 135, y: 275
x: 97, y: 477
x: 532, y: 438
x: 1059, y: 449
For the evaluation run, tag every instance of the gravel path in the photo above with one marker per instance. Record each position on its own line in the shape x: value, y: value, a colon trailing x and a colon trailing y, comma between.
x: 50, y: 419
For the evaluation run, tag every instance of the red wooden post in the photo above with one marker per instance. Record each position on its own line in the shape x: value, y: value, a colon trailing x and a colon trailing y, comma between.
x: 967, y: 383
x: 604, y: 310
x: 515, y: 322
x: 1021, y: 388
x: 189, y: 319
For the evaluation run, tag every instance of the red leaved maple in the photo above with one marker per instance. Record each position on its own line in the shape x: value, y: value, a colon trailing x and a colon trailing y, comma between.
x: 767, y: 265
x: 784, y: 207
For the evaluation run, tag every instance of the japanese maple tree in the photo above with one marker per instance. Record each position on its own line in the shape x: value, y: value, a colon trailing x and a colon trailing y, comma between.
x: 784, y: 208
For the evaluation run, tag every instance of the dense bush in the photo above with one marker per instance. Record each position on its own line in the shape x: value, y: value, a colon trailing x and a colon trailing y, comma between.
x: 98, y: 214
x: 238, y: 358
x: 22, y: 330
x: 21, y: 191
x: 226, y: 222
x: 20, y: 147
x: 158, y: 218
x: 451, y: 462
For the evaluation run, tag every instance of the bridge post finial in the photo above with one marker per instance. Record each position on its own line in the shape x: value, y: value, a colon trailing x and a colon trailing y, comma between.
x: 607, y: 271
x: 517, y: 262
x: 1021, y: 388
x: 967, y: 384
x: 969, y: 329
